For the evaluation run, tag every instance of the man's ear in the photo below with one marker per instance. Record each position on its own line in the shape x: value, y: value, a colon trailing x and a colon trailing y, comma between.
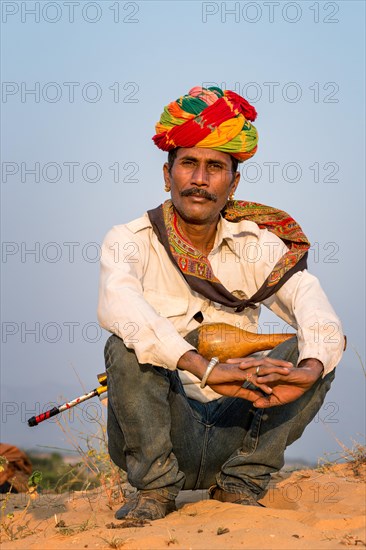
x: 167, y: 177
x: 235, y: 183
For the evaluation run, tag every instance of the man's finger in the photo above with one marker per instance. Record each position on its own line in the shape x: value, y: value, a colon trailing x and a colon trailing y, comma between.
x: 239, y: 391
x: 263, y: 364
x: 266, y: 402
x: 277, y: 362
x: 261, y: 371
x: 248, y: 362
x: 274, y: 376
x: 249, y: 395
x: 263, y: 387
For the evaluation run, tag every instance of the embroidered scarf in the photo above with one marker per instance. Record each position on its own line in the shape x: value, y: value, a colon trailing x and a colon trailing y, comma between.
x: 196, y: 268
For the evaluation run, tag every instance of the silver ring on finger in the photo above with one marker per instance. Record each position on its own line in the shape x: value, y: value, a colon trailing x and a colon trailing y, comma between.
x: 257, y: 371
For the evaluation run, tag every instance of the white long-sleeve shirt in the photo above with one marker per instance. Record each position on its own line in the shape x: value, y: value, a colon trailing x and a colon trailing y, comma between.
x: 145, y: 300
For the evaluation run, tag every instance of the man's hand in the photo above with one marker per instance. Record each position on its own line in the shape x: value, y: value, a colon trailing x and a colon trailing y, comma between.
x: 280, y: 380
x: 228, y: 378
x: 289, y: 387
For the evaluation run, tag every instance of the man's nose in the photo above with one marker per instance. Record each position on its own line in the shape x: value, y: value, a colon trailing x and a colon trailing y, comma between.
x: 200, y: 175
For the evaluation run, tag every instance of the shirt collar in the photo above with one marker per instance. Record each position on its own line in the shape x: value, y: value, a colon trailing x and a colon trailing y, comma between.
x: 229, y: 232
x: 224, y: 233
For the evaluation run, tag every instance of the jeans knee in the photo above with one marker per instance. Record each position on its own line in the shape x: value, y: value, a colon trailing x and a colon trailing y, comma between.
x: 287, y: 351
x: 115, y: 351
x: 113, y: 342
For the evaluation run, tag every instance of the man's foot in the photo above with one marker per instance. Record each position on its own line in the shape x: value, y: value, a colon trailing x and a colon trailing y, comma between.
x: 146, y: 505
x: 216, y: 493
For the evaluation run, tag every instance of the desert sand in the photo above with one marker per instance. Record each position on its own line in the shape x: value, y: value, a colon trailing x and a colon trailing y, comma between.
x: 310, y: 509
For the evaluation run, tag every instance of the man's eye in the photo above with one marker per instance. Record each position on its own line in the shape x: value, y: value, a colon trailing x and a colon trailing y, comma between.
x: 187, y: 162
x: 215, y: 167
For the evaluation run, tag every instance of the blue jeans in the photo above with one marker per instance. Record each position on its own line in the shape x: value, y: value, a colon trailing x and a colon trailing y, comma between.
x: 168, y: 442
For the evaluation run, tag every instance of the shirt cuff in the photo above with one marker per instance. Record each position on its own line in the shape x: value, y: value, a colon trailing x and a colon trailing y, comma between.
x: 168, y: 352
x: 329, y: 360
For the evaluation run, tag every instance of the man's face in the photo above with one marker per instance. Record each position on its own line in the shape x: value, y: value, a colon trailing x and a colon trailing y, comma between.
x: 200, y: 181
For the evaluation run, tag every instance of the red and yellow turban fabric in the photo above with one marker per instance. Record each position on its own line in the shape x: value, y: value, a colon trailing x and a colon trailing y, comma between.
x: 211, y: 118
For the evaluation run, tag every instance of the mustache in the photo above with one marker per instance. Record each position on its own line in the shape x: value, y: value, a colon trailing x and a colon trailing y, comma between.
x: 197, y: 192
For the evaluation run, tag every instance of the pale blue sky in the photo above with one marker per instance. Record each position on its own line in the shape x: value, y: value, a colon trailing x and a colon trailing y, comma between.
x: 307, y: 82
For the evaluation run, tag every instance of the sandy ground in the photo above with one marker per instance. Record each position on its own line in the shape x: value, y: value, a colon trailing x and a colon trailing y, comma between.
x: 312, y: 509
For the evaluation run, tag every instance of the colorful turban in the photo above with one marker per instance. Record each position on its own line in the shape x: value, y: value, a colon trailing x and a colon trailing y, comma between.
x: 210, y: 118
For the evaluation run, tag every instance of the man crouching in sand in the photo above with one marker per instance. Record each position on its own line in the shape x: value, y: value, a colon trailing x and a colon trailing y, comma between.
x: 178, y: 420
